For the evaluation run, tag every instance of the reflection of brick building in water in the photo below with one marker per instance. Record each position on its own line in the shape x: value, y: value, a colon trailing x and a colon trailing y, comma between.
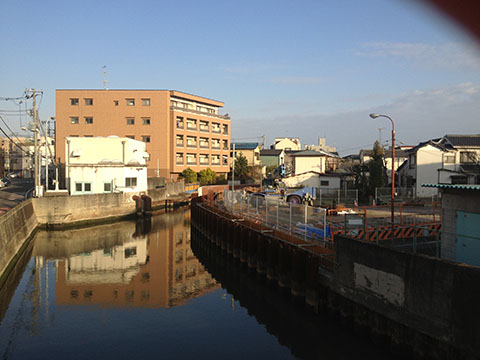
x: 155, y: 270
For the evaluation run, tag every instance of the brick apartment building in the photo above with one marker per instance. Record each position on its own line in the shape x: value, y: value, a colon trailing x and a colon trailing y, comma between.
x: 180, y: 130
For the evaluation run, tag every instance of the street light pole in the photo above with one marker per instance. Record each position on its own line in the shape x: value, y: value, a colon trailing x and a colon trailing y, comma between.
x: 374, y: 116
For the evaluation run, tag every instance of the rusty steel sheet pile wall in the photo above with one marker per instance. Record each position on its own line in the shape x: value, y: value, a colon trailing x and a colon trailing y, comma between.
x: 16, y: 227
x: 415, y: 302
x: 279, y: 258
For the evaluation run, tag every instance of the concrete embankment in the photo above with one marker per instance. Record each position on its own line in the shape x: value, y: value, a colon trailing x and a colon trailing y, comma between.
x: 16, y: 227
x: 19, y: 223
x: 422, y: 304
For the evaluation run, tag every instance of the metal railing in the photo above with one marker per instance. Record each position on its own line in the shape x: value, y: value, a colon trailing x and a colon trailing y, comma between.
x: 302, y: 221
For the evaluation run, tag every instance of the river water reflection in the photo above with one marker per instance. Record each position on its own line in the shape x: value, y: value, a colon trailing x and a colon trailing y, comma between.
x: 136, y: 290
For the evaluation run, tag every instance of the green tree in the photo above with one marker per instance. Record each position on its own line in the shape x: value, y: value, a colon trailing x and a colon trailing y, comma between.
x: 189, y: 176
x: 376, y: 168
x: 207, y: 176
x: 241, y: 166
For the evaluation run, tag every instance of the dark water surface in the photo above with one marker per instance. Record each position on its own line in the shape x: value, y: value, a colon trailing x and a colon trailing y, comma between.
x: 138, y: 291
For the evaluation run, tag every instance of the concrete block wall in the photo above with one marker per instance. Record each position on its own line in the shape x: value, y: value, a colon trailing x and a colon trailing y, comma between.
x: 435, y: 297
x: 16, y: 226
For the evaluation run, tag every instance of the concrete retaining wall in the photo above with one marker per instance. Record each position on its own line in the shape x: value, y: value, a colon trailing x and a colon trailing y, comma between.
x: 61, y: 210
x: 16, y: 226
x: 434, y: 297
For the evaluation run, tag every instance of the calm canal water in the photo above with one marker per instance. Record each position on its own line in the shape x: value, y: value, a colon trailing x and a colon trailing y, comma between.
x: 138, y: 291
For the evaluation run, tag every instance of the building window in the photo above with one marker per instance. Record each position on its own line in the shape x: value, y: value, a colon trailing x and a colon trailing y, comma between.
x: 225, y: 144
x: 191, y: 124
x: 224, y: 160
x: 88, y: 101
x: 74, y: 101
x: 74, y: 119
x: 145, y: 102
x: 179, y: 141
x: 204, y: 143
x: 115, y: 102
x: 130, y: 137
x: 89, y: 120
x: 468, y: 157
x: 191, y: 141
x: 179, y: 159
x: 215, y: 143
x: 204, y: 126
x: 324, y: 182
x: 130, y: 251
x: 130, y: 121
x: 203, y: 159
x: 146, y: 138
x: 83, y: 187
x: 146, y: 121
x: 216, y: 127
x: 449, y: 159
x: 130, y: 102
x: 215, y: 159
x: 131, y: 181
x: 411, y: 161
x: 87, y: 135
x: 192, y: 159
x: 179, y: 122
x: 107, y: 187
x: 225, y: 129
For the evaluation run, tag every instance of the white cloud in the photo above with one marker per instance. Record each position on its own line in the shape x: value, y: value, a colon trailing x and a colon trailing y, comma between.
x: 445, y: 55
x: 420, y: 115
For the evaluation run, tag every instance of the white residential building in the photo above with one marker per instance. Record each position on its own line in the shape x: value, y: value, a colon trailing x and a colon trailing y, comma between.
x: 452, y: 159
x: 96, y: 165
x: 312, y: 178
x: 299, y: 162
x: 287, y: 144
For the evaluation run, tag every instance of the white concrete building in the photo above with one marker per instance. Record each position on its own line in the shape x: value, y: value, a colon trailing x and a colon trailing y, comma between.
x: 97, y: 165
x: 452, y: 159
x: 299, y: 162
x: 315, y: 179
x: 287, y: 144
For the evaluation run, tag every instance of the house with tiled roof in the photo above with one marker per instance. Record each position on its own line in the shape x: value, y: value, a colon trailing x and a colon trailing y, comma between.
x: 451, y: 159
x: 251, y: 150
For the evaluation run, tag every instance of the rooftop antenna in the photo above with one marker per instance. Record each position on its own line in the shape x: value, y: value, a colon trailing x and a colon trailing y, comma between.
x: 380, y: 134
x: 105, y: 77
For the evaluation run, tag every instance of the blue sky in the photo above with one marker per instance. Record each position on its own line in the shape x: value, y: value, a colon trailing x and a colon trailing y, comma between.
x: 283, y: 68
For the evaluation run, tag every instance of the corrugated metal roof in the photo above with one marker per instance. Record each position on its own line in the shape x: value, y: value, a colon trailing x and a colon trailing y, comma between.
x: 454, y: 186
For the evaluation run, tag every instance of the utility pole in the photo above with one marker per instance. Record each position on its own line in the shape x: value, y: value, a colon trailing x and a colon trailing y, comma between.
x: 233, y: 176
x: 35, y: 143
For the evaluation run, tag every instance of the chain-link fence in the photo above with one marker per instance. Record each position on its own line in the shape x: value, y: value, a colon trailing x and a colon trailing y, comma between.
x: 383, y: 195
x: 302, y: 221
x: 328, y: 197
